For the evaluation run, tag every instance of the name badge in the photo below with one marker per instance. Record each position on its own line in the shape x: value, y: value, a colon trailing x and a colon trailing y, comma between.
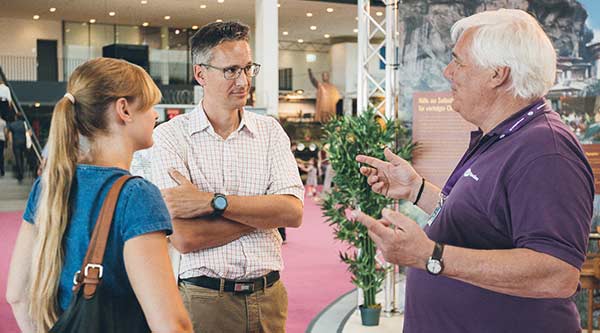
x: 437, y: 210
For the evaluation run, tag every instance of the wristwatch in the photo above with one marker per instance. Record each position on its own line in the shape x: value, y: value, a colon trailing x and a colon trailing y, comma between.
x: 435, y: 264
x: 219, y: 204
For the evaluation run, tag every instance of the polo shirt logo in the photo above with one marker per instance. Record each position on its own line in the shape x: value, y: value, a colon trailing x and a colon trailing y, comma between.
x: 470, y: 173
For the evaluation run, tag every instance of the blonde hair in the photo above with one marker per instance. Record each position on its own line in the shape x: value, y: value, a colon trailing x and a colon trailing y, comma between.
x: 512, y: 38
x: 94, y: 85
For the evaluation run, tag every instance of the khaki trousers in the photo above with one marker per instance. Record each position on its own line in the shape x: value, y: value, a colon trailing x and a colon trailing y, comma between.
x: 211, y: 311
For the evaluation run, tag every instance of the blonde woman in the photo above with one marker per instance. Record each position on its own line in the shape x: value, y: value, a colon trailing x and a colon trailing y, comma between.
x: 109, y: 102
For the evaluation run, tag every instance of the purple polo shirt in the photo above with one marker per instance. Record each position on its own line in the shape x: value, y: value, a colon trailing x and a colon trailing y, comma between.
x: 532, y: 188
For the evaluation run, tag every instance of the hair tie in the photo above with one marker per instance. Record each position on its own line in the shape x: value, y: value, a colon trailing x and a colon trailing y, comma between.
x: 70, y: 97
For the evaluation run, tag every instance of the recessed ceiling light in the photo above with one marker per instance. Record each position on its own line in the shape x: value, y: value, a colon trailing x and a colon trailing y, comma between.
x: 313, y: 27
x: 326, y: 35
x: 36, y: 17
x: 194, y: 27
x: 145, y: 24
x: 92, y: 21
x: 219, y: 20
x: 278, y: 5
x: 167, y: 17
x: 112, y: 14
x: 308, y: 14
x: 356, y: 18
x: 177, y: 31
x: 300, y: 40
x: 220, y: 1
x: 355, y: 30
x: 143, y: 2
x: 379, y: 14
x: 285, y: 33
x: 202, y: 6
x: 330, y: 10
x: 52, y: 10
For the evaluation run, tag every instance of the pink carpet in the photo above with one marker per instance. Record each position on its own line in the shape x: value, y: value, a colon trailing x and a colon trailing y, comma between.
x: 313, y: 275
x: 9, y: 226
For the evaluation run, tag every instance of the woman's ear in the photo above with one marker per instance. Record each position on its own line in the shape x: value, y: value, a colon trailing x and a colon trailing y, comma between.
x: 123, y: 110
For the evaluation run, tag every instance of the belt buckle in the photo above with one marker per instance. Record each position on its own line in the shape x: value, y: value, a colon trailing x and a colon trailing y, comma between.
x: 243, y: 287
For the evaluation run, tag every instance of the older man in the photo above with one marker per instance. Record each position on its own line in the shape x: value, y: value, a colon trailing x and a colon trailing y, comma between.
x: 235, y: 182
x: 508, y: 232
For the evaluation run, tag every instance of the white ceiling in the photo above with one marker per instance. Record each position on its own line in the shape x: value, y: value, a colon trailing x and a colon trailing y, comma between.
x: 186, y: 13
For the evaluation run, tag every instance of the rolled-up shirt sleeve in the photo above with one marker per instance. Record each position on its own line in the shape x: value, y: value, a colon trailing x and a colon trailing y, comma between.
x: 284, y: 177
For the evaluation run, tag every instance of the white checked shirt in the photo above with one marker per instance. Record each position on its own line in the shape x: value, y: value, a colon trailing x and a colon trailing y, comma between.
x: 254, y: 160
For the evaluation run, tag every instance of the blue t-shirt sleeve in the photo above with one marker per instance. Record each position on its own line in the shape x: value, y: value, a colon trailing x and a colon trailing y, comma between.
x: 144, y: 210
x: 32, y: 202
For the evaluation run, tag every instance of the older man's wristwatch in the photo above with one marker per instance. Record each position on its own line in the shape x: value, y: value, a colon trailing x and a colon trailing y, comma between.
x: 218, y: 204
x: 435, y: 264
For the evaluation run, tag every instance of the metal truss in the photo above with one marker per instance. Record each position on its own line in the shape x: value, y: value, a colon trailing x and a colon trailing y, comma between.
x: 369, y: 87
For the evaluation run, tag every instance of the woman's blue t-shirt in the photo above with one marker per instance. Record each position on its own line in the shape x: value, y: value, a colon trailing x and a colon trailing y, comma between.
x: 140, y: 210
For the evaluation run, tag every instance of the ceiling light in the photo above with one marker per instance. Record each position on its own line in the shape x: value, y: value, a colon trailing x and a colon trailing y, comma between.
x: 219, y: 20
x: 379, y: 14
x: 112, y: 14
x: 330, y: 10
x: 220, y: 1
x: 313, y: 27
x: 202, y: 6
x: 194, y: 27
x: 92, y: 21
x: 37, y: 104
x: 167, y: 17
x: 278, y: 5
x: 177, y: 31
x: 145, y: 24
x: 143, y: 2
x: 311, y: 57
x: 356, y: 18
x: 285, y: 33
x: 36, y: 17
x: 308, y: 14
x: 300, y: 40
x: 52, y: 10
x: 355, y: 30
x: 326, y: 35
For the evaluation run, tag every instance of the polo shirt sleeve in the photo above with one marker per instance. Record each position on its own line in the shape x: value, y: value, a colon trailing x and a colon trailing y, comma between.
x: 551, y: 204
x: 32, y: 202
x: 167, y: 152
x: 284, y: 177
x: 144, y: 210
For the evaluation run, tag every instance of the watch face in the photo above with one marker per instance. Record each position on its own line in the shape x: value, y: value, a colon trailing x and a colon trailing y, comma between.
x: 220, y: 203
x: 434, y: 266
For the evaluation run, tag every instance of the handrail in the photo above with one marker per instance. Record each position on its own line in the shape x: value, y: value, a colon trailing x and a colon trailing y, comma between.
x: 37, y: 148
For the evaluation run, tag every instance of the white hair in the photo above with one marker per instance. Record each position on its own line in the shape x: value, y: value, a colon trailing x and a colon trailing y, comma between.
x: 512, y: 38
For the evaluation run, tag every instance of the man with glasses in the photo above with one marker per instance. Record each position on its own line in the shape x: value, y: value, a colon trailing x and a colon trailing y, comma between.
x: 229, y: 180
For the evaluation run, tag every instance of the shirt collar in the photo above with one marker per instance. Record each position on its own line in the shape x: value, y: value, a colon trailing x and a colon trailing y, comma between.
x: 510, y: 122
x: 199, y: 121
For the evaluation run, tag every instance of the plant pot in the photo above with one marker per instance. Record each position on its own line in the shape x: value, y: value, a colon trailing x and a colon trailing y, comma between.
x: 370, y: 316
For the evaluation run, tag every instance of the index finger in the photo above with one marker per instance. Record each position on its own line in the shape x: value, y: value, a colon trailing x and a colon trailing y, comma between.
x: 372, y: 161
x: 374, y: 226
x: 178, y: 177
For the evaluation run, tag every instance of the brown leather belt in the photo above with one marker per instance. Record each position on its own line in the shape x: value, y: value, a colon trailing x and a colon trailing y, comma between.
x: 238, y: 287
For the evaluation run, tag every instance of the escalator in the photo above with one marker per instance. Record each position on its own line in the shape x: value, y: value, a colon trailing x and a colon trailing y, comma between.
x: 9, y: 113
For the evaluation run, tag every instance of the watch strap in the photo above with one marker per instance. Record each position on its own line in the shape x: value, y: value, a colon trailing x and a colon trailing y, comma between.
x: 438, y: 251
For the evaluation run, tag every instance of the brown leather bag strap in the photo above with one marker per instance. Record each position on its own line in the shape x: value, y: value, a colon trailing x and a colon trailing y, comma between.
x: 91, y: 270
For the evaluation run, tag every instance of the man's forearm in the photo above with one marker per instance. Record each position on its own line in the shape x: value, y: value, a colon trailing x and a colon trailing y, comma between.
x: 202, y: 233
x: 429, y: 198
x: 265, y: 211
x: 518, y: 272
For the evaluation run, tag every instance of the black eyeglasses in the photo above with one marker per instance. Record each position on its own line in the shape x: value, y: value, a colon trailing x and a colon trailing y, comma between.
x: 233, y: 72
